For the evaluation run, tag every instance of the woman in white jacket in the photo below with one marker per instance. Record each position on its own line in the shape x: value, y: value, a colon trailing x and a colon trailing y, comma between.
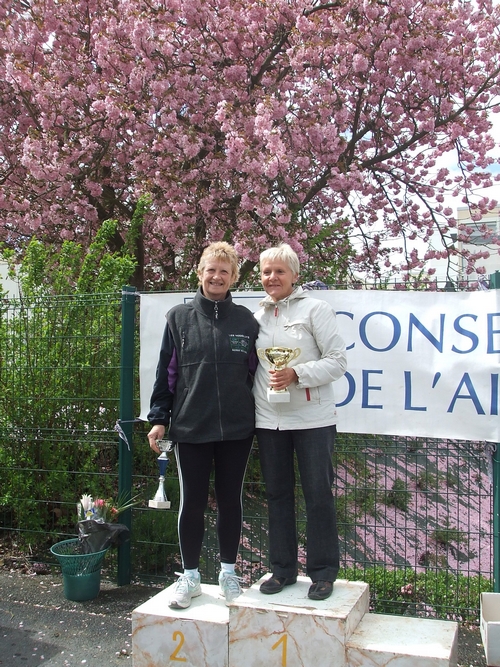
x: 304, y: 427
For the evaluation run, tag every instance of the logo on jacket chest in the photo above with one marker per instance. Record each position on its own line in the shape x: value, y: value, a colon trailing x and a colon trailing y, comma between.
x: 239, y: 343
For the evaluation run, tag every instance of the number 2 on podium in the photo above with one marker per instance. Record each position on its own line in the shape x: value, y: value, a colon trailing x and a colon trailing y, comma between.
x: 283, y: 641
x: 178, y: 636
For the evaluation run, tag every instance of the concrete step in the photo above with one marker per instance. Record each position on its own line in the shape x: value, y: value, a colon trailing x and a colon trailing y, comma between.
x: 286, y: 630
x: 402, y: 641
x: 290, y: 629
x: 192, y: 637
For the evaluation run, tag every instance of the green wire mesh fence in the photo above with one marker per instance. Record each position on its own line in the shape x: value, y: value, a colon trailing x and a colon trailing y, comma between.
x: 415, y: 515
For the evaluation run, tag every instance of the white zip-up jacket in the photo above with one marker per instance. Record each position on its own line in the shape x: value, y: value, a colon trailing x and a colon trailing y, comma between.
x: 300, y: 321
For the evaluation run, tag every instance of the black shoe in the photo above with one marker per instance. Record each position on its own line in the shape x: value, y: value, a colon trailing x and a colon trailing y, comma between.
x: 276, y: 584
x: 320, y: 590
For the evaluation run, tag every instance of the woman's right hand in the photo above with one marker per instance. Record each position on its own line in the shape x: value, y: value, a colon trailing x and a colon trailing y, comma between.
x: 156, y: 433
x: 282, y: 379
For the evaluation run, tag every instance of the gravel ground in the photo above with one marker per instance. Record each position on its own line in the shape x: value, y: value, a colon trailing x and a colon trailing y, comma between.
x: 38, y: 626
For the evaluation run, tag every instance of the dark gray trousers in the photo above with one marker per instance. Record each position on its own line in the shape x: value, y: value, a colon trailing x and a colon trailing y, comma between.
x: 313, y: 449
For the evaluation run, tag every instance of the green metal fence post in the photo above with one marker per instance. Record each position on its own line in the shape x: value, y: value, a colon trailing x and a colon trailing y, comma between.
x: 126, y: 418
x: 496, y: 520
x: 495, y: 284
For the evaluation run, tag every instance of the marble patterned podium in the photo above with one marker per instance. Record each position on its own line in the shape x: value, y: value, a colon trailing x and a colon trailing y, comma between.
x: 192, y: 637
x: 286, y: 630
x: 290, y: 629
x: 402, y: 641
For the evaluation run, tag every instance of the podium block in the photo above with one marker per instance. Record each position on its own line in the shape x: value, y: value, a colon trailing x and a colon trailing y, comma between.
x: 490, y: 627
x: 194, y: 637
x: 287, y: 630
x: 290, y: 630
x: 402, y: 641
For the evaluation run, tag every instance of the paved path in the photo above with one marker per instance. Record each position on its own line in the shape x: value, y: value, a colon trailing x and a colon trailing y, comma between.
x: 39, y: 627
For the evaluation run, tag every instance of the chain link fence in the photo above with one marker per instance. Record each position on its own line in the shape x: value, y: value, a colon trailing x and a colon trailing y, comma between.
x: 415, y: 515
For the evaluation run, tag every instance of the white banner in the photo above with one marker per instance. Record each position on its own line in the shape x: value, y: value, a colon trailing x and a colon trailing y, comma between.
x: 420, y: 364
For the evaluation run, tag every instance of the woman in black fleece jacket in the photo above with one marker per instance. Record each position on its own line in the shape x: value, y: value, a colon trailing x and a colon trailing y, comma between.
x: 203, y: 392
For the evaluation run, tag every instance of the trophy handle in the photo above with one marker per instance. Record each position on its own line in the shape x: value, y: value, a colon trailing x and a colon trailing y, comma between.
x: 295, y: 354
x: 261, y: 354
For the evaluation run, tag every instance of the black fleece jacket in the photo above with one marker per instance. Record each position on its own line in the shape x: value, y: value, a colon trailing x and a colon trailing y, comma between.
x: 203, y: 386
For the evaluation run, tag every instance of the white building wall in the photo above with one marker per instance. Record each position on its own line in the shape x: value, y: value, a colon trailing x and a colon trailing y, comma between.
x: 8, y: 285
x: 492, y: 263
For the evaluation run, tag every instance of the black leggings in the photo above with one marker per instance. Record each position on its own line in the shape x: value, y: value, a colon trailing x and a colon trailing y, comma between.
x: 194, y: 463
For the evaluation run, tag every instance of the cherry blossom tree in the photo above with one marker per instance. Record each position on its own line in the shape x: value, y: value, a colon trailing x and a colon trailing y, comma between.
x: 253, y: 121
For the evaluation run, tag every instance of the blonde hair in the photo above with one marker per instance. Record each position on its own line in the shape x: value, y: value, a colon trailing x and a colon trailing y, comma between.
x: 223, y: 252
x: 282, y: 253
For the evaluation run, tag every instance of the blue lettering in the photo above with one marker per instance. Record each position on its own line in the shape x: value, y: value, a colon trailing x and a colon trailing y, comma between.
x: 494, y: 394
x: 471, y: 395
x: 464, y: 332
x: 408, y: 405
x: 351, y: 316
x: 351, y: 389
x: 395, y: 336
x: 414, y: 322
x: 367, y: 388
x: 491, y: 331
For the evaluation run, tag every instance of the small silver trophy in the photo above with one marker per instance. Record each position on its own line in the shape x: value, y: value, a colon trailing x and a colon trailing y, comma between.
x: 160, y: 501
x: 278, y: 357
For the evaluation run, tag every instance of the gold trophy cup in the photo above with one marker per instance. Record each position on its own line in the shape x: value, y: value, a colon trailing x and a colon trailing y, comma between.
x: 278, y: 357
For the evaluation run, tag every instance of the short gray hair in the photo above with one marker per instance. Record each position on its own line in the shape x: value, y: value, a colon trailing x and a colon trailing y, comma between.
x: 282, y: 253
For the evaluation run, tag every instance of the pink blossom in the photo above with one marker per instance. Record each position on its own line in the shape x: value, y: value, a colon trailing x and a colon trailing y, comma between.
x: 359, y: 63
x: 246, y: 115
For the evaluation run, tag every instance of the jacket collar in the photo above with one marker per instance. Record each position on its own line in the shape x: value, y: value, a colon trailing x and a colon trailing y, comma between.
x: 298, y: 293
x: 211, y: 309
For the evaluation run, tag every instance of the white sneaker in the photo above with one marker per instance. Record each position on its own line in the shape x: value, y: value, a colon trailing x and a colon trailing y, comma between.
x: 186, y: 588
x: 230, y: 586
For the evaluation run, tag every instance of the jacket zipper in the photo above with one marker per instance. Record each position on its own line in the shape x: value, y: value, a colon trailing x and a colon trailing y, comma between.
x: 276, y: 314
x: 214, y: 333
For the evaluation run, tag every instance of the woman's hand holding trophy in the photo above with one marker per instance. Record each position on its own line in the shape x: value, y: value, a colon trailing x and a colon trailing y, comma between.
x: 278, y: 358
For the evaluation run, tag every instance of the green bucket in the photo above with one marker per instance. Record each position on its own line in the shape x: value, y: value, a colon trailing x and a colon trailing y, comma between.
x: 81, y: 572
x: 80, y: 587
